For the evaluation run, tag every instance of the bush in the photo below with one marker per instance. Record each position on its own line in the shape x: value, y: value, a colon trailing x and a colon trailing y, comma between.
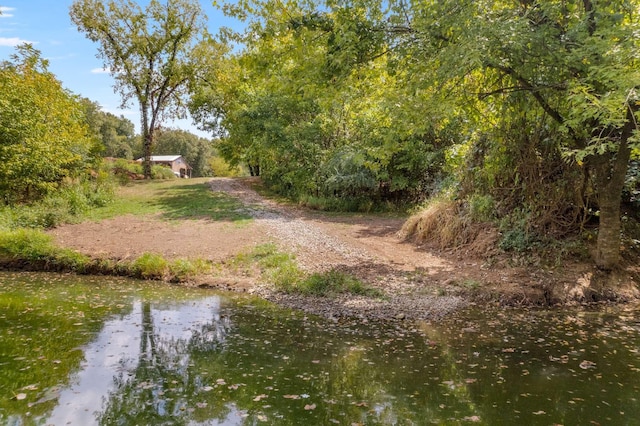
x: 162, y: 172
x: 26, y: 244
x: 516, y: 234
x: 482, y: 208
x: 65, y: 206
x: 150, y: 266
x: 223, y: 169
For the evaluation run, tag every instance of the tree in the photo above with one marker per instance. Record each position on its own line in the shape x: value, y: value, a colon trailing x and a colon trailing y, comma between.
x: 148, y: 52
x: 117, y: 134
x: 43, y: 134
x: 575, y: 60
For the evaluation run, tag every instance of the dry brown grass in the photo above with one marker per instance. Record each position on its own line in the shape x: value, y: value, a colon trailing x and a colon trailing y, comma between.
x: 445, y: 224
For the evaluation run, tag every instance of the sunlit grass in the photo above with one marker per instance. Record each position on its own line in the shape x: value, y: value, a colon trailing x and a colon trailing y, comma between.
x: 174, y: 199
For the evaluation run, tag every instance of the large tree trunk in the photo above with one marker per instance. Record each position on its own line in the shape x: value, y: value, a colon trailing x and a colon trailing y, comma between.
x: 610, y: 171
x: 147, y: 141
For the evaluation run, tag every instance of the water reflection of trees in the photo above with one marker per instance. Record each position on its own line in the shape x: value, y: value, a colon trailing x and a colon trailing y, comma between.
x: 268, y: 365
x: 159, y: 389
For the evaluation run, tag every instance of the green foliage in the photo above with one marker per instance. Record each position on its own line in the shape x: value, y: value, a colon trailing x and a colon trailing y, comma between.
x: 162, y: 172
x: 43, y: 135
x: 182, y: 270
x: 516, y: 232
x: 68, y: 205
x: 116, y: 134
x: 481, y: 208
x: 150, y: 53
x: 27, y: 244
x: 221, y: 168
x: 150, y: 266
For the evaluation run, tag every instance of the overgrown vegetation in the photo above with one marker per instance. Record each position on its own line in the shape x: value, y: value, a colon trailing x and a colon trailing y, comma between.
x: 34, y: 249
x: 520, y: 116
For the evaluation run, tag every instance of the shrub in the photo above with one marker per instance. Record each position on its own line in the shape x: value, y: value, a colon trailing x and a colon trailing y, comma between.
x: 150, y: 266
x: 481, y: 208
x: 26, y: 244
x: 162, y: 172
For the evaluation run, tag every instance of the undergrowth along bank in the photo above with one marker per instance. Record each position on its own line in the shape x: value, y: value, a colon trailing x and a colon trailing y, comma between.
x: 32, y: 249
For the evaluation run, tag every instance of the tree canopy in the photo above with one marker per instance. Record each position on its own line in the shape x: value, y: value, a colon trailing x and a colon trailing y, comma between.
x: 149, y: 52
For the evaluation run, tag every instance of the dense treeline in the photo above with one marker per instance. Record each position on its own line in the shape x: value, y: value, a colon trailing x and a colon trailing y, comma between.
x: 44, y: 138
x: 521, y: 113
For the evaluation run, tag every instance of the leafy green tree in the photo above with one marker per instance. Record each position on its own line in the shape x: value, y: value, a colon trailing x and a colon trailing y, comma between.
x: 148, y: 52
x: 575, y: 60
x: 117, y: 134
x: 43, y: 134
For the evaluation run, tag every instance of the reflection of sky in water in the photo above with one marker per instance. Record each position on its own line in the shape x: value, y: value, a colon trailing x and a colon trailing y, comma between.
x: 116, y: 352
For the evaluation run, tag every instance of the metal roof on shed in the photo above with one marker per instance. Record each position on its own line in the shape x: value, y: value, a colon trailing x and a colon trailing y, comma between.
x: 162, y: 158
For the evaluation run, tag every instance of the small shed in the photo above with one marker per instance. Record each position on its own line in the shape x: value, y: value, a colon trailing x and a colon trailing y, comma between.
x: 175, y: 162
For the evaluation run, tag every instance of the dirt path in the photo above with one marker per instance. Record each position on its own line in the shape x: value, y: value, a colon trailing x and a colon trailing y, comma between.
x: 418, y: 283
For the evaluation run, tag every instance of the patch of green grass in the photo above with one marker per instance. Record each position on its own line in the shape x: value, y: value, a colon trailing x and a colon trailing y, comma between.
x: 336, y: 282
x: 174, y: 199
x: 26, y: 244
x: 150, y: 266
x: 37, y: 248
x: 183, y: 270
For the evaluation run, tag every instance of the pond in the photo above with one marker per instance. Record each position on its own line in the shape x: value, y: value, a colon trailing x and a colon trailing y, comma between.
x: 93, y: 350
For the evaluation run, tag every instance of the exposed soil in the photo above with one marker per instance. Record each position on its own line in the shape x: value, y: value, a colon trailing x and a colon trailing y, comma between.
x: 420, y: 283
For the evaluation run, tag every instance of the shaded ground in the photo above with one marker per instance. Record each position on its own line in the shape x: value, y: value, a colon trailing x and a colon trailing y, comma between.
x: 419, y: 283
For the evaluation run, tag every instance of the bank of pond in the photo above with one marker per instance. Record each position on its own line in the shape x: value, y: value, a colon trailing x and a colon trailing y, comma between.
x: 102, y: 350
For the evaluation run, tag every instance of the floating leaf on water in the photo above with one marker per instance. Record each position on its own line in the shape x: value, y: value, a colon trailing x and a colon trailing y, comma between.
x: 587, y: 364
x: 292, y: 396
x: 30, y: 387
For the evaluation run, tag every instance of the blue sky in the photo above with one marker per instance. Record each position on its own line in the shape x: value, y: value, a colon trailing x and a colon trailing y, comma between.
x: 72, y: 57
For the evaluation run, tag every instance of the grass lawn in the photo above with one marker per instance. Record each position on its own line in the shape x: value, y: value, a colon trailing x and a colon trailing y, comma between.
x: 173, y: 199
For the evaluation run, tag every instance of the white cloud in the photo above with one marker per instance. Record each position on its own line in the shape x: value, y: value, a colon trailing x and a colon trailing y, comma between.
x: 14, y: 41
x: 100, y: 71
x: 4, y: 11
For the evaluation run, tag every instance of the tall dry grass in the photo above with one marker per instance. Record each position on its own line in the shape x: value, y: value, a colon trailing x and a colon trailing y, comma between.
x: 443, y: 223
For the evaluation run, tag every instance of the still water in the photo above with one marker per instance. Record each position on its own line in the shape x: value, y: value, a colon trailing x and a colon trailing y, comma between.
x: 83, y: 351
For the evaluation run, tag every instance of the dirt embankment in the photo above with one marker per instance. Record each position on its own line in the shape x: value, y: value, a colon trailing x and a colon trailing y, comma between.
x: 419, y: 283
